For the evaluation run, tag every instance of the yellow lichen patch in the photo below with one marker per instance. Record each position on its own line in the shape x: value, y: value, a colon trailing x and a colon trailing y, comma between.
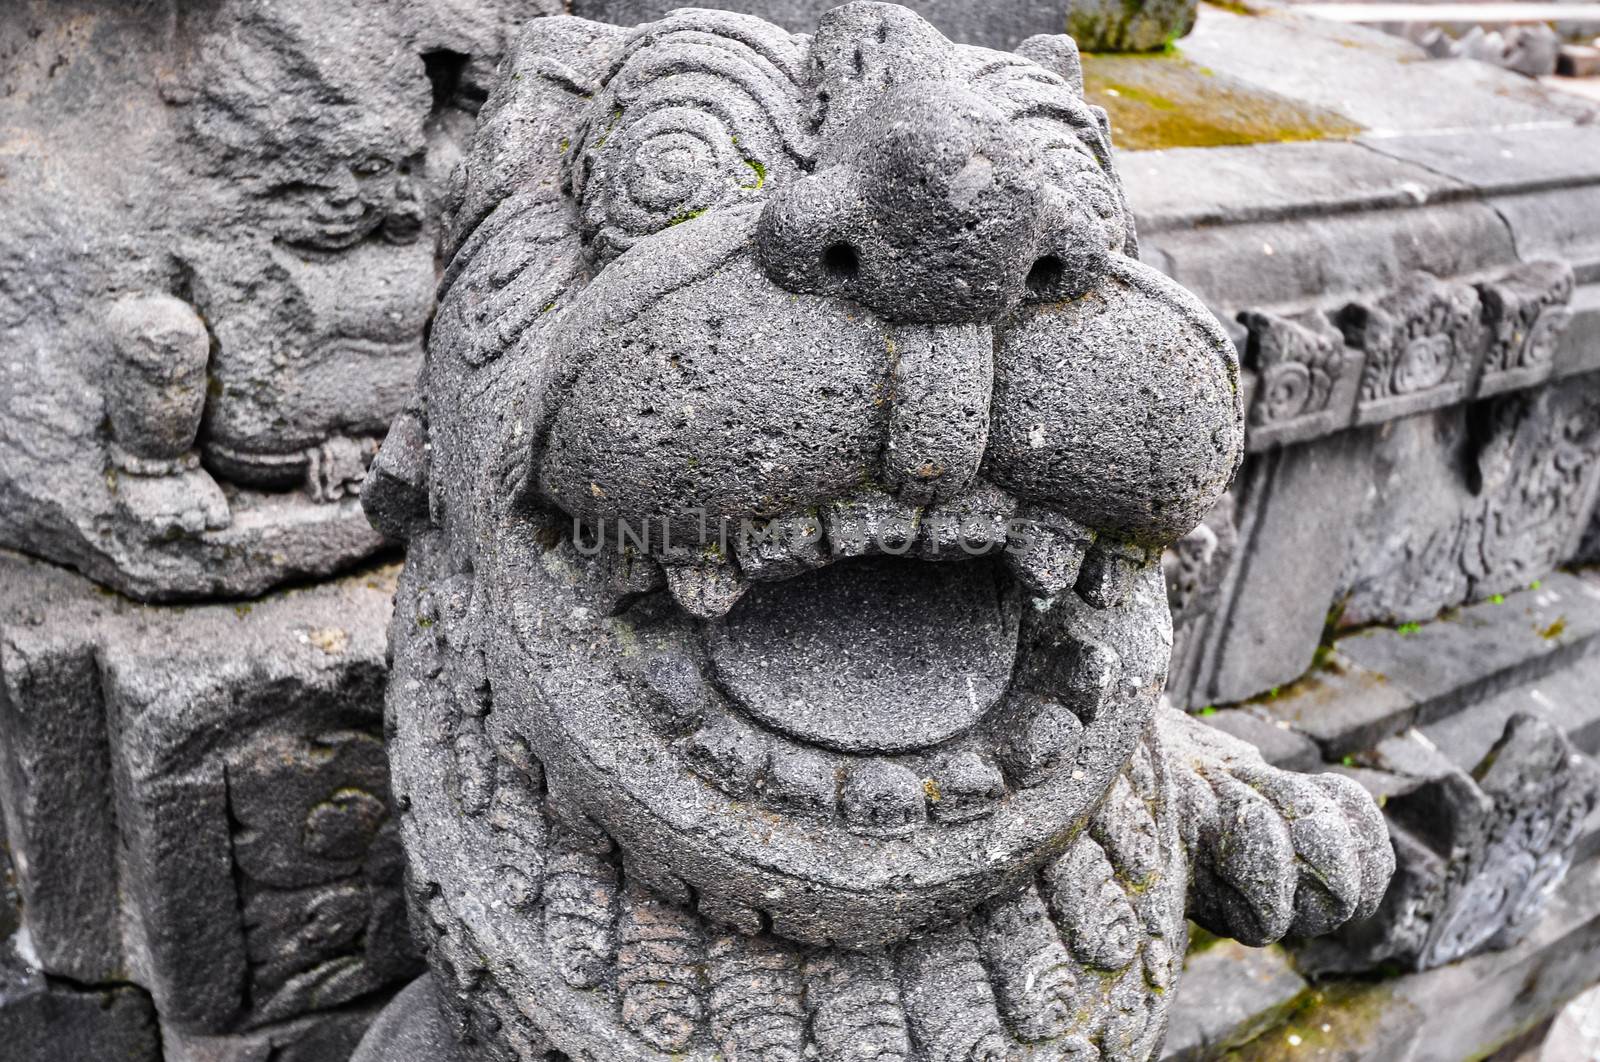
x: 333, y: 641
x: 1166, y: 101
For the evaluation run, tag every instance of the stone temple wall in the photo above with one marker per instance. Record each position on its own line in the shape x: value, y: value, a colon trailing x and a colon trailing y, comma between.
x: 219, y: 225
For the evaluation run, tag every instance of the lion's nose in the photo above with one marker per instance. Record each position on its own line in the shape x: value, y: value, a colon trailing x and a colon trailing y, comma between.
x: 928, y: 210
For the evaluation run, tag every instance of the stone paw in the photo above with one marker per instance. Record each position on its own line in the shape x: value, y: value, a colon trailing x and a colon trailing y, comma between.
x: 1272, y: 852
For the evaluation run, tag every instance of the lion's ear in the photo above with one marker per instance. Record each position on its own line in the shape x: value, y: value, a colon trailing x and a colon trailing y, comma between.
x: 395, y: 494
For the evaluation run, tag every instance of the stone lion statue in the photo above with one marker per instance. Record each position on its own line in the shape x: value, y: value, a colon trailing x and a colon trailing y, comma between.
x: 779, y: 658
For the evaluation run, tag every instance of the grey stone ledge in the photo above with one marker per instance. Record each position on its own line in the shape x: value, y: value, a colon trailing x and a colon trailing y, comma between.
x: 1381, y: 681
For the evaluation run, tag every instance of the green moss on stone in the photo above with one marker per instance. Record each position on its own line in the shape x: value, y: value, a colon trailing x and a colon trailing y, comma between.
x: 1162, y: 100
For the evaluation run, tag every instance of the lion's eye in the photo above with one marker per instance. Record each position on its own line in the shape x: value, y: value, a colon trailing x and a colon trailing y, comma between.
x: 373, y: 166
x: 690, y: 121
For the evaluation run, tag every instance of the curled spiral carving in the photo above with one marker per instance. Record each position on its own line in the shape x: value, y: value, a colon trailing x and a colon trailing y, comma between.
x: 692, y: 116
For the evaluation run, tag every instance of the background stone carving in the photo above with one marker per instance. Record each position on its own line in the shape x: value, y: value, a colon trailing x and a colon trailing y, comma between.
x: 197, y: 802
x: 1480, y: 854
x: 218, y: 261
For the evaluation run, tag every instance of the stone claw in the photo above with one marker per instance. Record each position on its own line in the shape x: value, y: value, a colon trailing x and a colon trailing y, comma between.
x: 1273, y: 852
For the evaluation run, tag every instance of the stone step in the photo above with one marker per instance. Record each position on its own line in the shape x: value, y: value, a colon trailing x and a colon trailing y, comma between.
x: 1567, y: 697
x: 1468, y: 1009
x: 1231, y: 994
x: 1379, y: 682
x: 1486, y: 14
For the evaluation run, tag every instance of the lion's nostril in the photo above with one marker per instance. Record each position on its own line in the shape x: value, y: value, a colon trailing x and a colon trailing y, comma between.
x: 842, y: 261
x: 1046, y: 274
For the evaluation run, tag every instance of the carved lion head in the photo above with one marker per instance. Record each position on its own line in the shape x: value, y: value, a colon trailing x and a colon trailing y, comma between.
x: 797, y: 445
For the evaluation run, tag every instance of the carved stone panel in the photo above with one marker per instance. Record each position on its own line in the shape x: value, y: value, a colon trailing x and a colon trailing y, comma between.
x: 1526, y: 312
x: 1424, y: 346
x: 221, y: 227
x: 235, y: 854
x: 1479, y: 854
x: 1307, y: 378
x: 1479, y: 502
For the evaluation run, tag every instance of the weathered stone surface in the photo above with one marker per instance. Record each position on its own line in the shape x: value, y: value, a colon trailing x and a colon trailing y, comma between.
x: 1483, y: 648
x: 1272, y: 618
x: 1576, y: 1031
x: 42, y: 1020
x: 1280, y: 744
x: 414, y: 1027
x: 718, y: 379
x: 1231, y: 995
x: 1111, y: 26
x: 1369, y: 76
x: 329, y: 1036
x: 1476, y: 504
x: 1479, y: 853
x: 55, y: 777
x: 221, y: 231
x: 1377, y: 683
x: 1465, y: 1010
x: 234, y: 853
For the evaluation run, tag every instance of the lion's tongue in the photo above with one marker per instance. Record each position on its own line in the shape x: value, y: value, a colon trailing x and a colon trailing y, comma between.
x: 875, y: 655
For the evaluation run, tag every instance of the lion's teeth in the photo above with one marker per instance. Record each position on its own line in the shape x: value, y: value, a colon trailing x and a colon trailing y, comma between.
x: 869, y: 524
x: 783, y: 548
x: 975, y: 524
x: 1045, y: 550
x: 1108, y: 573
x: 707, y: 588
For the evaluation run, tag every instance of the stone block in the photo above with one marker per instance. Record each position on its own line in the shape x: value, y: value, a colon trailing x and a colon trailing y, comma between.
x: 235, y: 854
x: 1370, y: 77
x: 1564, y: 697
x: 1231, y: 995
x: 1580, y: 345
x: 1342, y: 706
x: 1280, y: 744
x: 56, y: 792
x: 45, y: 1020
x: 1381, y: 681
x: 1484, y: 648
x: 1280, y: 597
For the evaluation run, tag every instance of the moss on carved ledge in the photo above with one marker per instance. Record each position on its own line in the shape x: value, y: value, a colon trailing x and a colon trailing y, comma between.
x: 1163, y: 100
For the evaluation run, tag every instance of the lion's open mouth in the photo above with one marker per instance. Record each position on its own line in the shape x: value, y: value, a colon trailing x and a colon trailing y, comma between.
x: 875, y: 655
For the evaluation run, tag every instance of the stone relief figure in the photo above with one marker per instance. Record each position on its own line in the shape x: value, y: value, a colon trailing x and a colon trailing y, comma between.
x: 779, y: 658
x: 219, y: 272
